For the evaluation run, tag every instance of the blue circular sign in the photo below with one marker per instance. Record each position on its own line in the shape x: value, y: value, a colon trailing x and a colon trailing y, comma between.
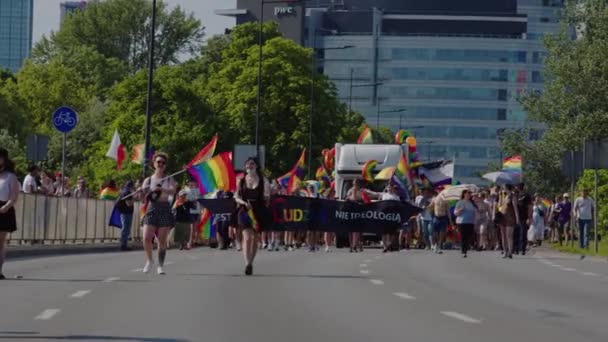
x: 65, y: 119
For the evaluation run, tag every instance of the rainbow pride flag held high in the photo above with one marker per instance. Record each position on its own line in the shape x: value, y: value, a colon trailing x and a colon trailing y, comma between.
x: 367, y: 172
x: 291, y: 180
x: 205, y: 154
x: 366, y: 136
x: 215, y: 174
x: 109, y: 194
x: 512, y: 164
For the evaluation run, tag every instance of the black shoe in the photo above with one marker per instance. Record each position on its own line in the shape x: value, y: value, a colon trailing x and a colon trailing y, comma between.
x: 351, y: 250
x: 385, y: 250
x: 511, y: 256
x: 464, y: 255
x: 249, y: 270
x: 582, y: 256
x: 2, y: 277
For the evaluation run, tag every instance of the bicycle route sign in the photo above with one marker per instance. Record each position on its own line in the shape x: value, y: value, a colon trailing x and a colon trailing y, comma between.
x: 65, y: 119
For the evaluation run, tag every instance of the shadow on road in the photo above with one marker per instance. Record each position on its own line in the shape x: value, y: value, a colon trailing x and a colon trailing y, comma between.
x: 35, y: 336
x: 313, y: 276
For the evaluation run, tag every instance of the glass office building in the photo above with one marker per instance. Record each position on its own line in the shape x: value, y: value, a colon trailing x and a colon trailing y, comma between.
x: 450, y: 72
x: 15, y: 32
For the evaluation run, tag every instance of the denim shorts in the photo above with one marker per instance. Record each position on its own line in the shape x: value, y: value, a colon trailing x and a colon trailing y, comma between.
x: 440, y: 224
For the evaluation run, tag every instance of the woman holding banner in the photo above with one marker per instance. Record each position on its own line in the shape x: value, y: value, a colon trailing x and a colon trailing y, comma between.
x: 252, y: 196
x: 355, y: 194
x: 390, y: 194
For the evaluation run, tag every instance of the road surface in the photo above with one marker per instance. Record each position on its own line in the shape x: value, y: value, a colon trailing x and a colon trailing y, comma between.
x: 302, y: 296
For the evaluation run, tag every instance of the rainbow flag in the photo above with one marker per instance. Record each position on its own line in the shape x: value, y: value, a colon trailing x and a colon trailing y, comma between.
x: 109, y: 194
x: 512, y: 164
x: 206, y: 225
x: 205, y: 154
x: 367, y: 172
x: 402, y: 169
x: 215, y: 174
x: 291, y: 180
x: 547, y: 203
x: 366, y: 136
x: 386, y: 173
x: 321, y: 173
x: 143, y: 209
x: 400, y: 136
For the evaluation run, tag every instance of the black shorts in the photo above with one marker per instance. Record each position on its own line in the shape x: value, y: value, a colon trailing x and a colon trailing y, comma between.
x: 8, y: 220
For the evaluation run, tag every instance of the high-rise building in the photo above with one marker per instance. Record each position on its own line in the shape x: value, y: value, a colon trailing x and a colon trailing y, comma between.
x: 450, y: 72
x: 15, y: 32
x: 69, y: 7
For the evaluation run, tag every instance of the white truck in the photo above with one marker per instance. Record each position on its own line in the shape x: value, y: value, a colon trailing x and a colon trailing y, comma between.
x: 351, y: 157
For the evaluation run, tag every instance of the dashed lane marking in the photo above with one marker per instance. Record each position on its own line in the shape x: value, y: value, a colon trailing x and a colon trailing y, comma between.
x: 376, y: 281
x: 461, y: 317
x: 80, y: 294
x: 111, y: 279
x: 404, y: 295
x: 47, y: 314
x: 364, y: 271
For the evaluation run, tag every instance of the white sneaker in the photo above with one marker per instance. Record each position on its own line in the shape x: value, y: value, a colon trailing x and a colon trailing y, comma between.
x: 160, y: 270
x: 264, y: 246
x: 148, y: 266
x: 327, y: 249
x: 290, y: 249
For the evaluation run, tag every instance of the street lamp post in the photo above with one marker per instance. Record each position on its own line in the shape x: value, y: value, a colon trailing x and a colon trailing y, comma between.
x: 378, y: 112
x: 260, y: 60
x: 149, y: 96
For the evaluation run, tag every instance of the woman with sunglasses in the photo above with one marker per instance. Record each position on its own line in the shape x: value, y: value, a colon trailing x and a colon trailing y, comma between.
x: 159, y: 218
x: 252, y: 196
x: 9, y: 192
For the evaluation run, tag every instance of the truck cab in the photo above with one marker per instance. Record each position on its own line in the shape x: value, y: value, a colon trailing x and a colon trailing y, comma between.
x: 351, y: 157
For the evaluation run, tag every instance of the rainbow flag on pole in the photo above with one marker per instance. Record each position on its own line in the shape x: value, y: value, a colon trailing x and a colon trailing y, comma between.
x: 512, y: 164
x: 205, y: 154
x: 366, y: 136
x: 215, y: 174
x: 291, y: 180
x: 206, y: 226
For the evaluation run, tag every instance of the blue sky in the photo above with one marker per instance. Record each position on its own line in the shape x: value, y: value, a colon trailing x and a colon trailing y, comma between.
x: 46, y: 15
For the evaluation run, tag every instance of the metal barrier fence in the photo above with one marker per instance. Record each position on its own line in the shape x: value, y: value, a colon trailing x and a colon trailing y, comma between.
x: 62, y: 220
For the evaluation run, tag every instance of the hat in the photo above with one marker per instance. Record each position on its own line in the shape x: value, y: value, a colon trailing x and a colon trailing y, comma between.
x: 182, y: 193
x: 566, y: 195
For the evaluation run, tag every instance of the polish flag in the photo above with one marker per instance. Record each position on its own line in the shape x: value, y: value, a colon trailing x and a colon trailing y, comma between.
x: 117, y: 150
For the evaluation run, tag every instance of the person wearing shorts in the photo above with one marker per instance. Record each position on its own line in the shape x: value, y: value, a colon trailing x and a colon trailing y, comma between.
x: 9, y: 192
x: 441, y: 219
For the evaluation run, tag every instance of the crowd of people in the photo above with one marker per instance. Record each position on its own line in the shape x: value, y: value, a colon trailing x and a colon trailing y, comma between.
x: 505, y: 219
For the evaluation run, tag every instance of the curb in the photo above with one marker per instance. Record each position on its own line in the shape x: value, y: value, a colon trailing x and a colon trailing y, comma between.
x: 55, y: 250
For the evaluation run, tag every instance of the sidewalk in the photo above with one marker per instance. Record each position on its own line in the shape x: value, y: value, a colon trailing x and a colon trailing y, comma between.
x: 546, y: 252
x: 61, y: 249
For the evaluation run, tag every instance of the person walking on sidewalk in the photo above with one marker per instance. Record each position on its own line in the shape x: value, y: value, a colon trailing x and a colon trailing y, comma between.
x: 9, y: 192
x: 584, y: 208
x: 125, y: 208
x: 563, y: 212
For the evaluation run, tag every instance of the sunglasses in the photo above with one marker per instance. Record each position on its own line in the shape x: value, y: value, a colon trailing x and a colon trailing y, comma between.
x: 161, y: 162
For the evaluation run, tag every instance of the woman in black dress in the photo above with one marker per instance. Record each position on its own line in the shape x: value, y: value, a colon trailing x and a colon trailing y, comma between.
x: 253, y: 192
x: 9, y: 191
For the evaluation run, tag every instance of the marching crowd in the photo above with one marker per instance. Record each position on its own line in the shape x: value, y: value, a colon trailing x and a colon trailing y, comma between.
x: 506, y: 219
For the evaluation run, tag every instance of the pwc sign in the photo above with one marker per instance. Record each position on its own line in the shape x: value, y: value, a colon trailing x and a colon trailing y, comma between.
x: 284, y: 11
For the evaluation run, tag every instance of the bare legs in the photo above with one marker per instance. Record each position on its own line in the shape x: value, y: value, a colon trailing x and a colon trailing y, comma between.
x: 329, y: 239
x: 250, y: 248
x: 507, y: 240
x: 2, y: 249
x: 149, y: 234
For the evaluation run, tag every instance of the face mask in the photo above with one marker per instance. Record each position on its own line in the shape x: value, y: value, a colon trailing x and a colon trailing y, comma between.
x: 250, y: 171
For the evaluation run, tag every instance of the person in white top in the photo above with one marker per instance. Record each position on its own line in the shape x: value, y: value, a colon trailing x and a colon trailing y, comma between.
x: 29, y: 183
x: 584, y: 208
x: 389, y: 194
x: 9, y: 192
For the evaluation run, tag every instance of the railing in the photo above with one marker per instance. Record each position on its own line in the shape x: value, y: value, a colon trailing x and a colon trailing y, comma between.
x: 65, y: 220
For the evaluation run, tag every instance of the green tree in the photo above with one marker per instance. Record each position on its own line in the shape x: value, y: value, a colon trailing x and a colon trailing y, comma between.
x: 231, y: 90
x: 587, y: 181
x: 15, y: 150
x: 119, y: 29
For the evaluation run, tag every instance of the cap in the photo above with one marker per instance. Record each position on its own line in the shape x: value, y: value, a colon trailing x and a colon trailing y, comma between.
x: 566, y: 195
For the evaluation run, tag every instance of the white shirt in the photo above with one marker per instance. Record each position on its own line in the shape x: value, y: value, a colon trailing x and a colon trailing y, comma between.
x: 424, y: 203
x: 29, y: 183
x: 387, y: 196
x: 7, y: 181
x: 583, y: 208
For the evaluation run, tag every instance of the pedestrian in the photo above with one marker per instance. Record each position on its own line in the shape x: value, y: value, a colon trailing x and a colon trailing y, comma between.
x: 584, y: 208
x: 47, y: 186
x: 524, y: 209
x: 329, y: 194
x: 389, y: 194
x: 63, y: 190
x: 183, y: 220
x: 125, y: 207
x: 426, y: 218
x: 312, y: 236
x: 465, y: 212
x: 192, y: 195
x: 553, y: 216
x: 483, y: 221
x: 493, y: 231
x: 30, y: 184
x: 9, y: 192
x: 158, y: 219
x: 223, y: 223
x: 81, y: 190
x: 252, y: 196
x: 563, y: 211
x: 538, y: 221
x: 354, y: 194
x: 441, y: 220
x: 274, y: 243
x: 508, y: 218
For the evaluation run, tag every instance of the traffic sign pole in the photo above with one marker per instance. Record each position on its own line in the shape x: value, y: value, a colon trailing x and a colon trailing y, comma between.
x: 65, y: 136
x: 65, y: 119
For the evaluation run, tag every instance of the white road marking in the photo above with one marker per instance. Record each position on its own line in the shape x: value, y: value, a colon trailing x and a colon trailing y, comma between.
x: 364, y: 271
x: 377, y: 281
x: 568, y: 269
x: 367, y: 260
x: 80, y: 294
x: 404, y: 295
x: 47, y: 314
x: 111, y: 279
x: 362, y: 265
x: 137, y: 270
x: 377, y: 257
x: 556, y: 265
x: 461, y: 317
x: 590, y: 274
x: 170, y: 263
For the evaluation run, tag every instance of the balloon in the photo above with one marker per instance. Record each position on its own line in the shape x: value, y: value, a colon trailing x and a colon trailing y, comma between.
x: 411, y: 141
x: 401, y: 136
x: 411, y: 149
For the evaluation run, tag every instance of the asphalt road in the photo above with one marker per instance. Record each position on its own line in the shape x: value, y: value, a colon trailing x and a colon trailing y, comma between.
x: 301, y: 296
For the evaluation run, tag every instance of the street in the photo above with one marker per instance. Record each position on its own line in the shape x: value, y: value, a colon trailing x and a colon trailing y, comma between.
x: 302, y: 296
